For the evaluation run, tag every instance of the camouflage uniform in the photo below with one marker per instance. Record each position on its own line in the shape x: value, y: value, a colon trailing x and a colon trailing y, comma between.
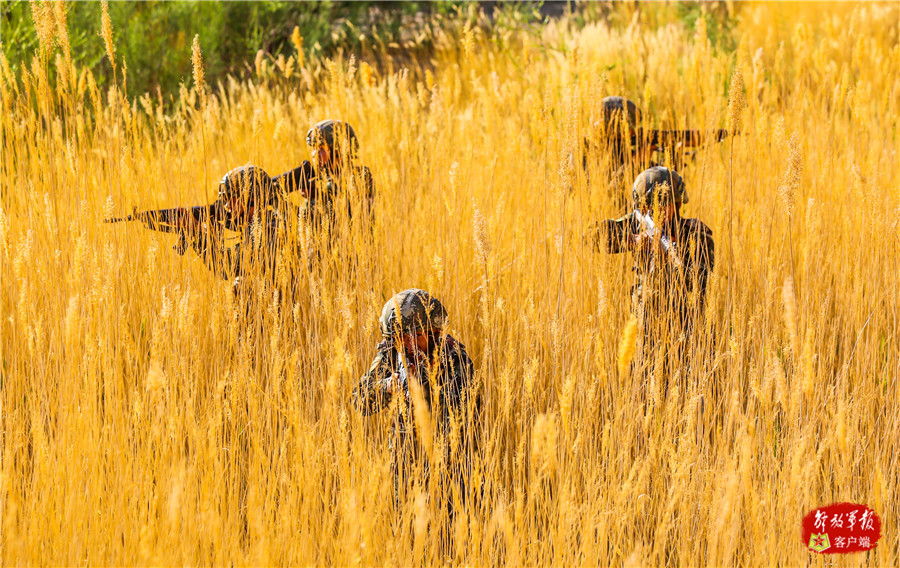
x: 670, y: 288
x: 263, y: 238
x: 619, y: 123
x: 664, y: 287
x: 445, y: 374
x: 344, y: 178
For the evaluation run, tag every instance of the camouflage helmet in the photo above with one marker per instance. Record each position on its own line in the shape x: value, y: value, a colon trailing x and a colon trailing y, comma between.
x: 412, y: 311
x: 249, y: 182
x: 323, y: 134
x: 614, y: 107
x: 658, y: 182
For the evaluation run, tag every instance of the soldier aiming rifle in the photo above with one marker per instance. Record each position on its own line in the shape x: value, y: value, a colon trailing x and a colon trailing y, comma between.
x: 619, y: 137
x: 246, y: 196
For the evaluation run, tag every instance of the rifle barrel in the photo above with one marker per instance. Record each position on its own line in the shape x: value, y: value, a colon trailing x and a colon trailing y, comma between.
x: 119, y: 219
x: 689, y: 138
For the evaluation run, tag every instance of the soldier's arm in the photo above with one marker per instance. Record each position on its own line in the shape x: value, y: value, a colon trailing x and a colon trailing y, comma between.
x: 373, y: 393
x: 706, y: 262
x: 613, y: 235
x: 701, y: 260
x: 301, y: 178
x: 366, y: 187
x: 368, y: 183
x: 457, y: 372
x: 222, y: 261
x: 461, y: 394
x: 458, y: 390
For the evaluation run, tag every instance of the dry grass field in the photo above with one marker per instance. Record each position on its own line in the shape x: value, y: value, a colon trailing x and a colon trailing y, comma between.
x: 142, y: 426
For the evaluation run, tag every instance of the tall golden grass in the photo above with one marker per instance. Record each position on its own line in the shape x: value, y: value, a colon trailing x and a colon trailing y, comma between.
x: 142, y: 426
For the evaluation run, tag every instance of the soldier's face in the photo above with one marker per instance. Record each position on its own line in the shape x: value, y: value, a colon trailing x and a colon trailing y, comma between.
x: 238, y: 209
x: 661, y: 213
x: 416, y: 341
x: 322, y: 156
x: 235, y: 207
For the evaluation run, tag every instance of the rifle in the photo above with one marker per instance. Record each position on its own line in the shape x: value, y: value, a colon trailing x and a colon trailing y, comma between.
x: 181, y: 220
x: 184, y: 220
x: 657, y: 139
x: 648, y: 228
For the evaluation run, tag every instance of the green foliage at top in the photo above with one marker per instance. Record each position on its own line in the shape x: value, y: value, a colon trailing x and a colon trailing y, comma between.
x: 154, y: 38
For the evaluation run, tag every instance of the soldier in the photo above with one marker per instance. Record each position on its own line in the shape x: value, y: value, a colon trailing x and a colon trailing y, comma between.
x: 247, y: 198
x: 416, y: 363
x: 620, y: 138
x: 337, y: 174
x: 256, y: 206
x: 615, y: 136
x: 673, y: 258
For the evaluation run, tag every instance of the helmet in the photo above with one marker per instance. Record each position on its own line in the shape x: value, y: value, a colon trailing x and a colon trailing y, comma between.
x: 249, y: 182
x: 615, y: 107
x: 323, y: 134
x: 412, y: 311
x: 658, y: 182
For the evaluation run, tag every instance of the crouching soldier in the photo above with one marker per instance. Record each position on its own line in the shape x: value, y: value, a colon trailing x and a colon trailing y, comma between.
x: 416, y: 364
x: 673, y: 260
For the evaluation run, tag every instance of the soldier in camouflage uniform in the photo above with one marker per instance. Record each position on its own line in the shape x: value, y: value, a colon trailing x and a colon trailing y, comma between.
x: 613, y: 139
x: 337, y: 175
x: 256, y: 206
x: 620, y: 138
x: 417, y: 356
x: 673, y: 259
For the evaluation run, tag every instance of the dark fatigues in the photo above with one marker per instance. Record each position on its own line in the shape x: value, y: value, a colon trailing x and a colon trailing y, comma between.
x: 669, y: 290
x: 325, y: 188
x: 663, y: 282
x: 266, y: 239
x: 623, y: 168
x: 446, y: 378
x: 259, y: 253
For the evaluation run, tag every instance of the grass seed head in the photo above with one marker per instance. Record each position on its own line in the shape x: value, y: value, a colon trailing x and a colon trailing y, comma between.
x: 627, y: 344
x: 106, y: 32
x: 197, y: 64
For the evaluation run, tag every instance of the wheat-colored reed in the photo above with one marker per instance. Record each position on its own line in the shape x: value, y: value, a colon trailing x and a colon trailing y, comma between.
x: 143, y: 425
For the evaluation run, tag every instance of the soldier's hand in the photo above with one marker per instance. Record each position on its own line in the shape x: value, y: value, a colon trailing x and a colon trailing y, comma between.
x: 640, y: 242
x: 646, y: 244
